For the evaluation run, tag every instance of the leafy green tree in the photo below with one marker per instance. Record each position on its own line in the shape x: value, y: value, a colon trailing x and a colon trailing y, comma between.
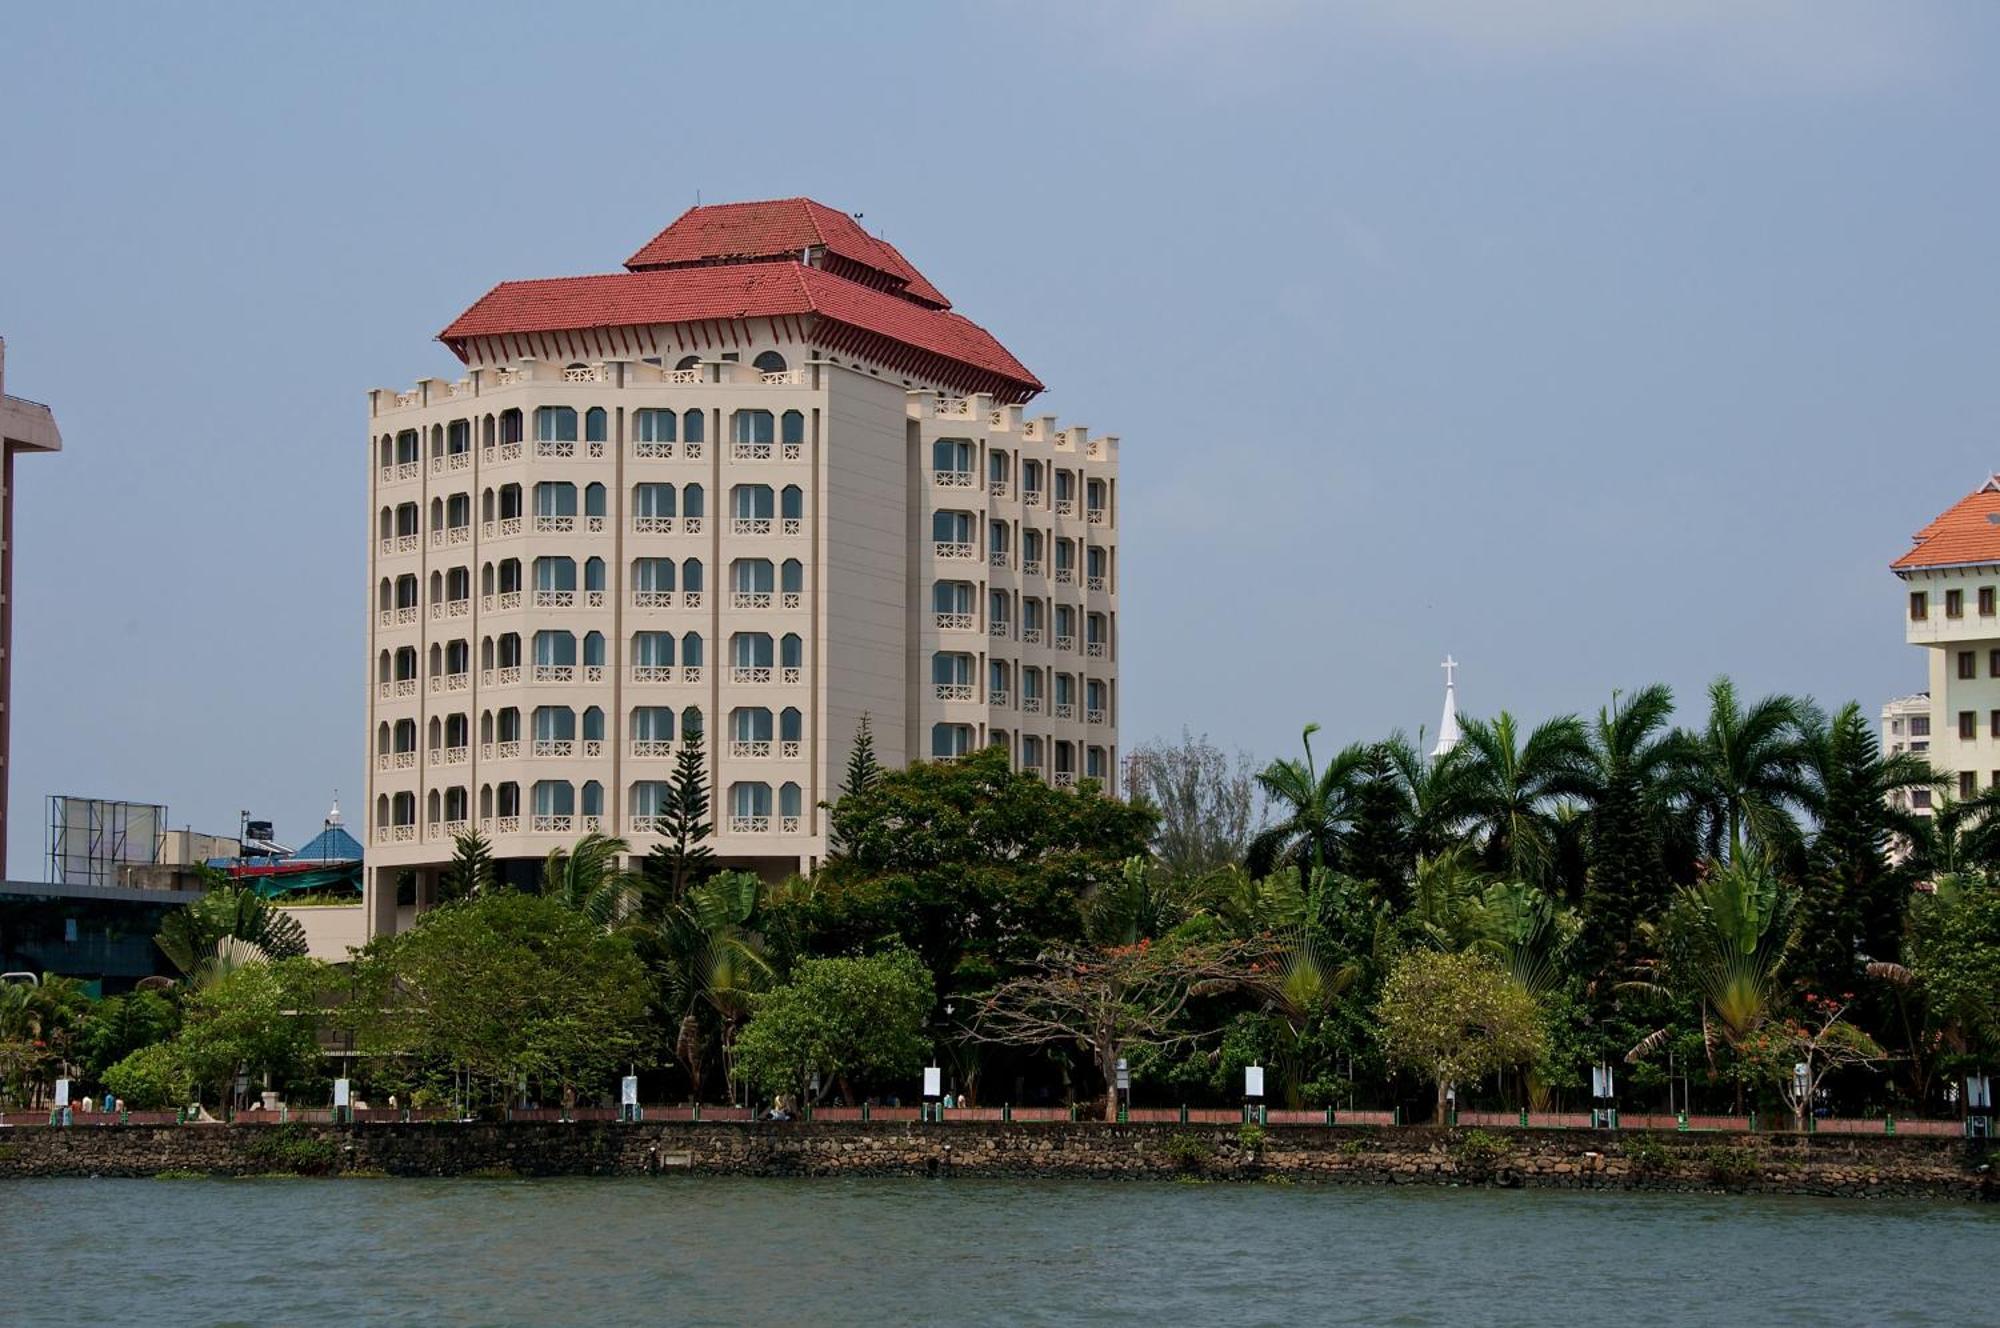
x: 1955, y: 960
x: 1379, y: 848
x: 709, y: 963
x: 189, y: 936
x: 683, y: 859
x: 471, y: 871
x: 503, y: 987
x: 847, y: 1021
x: 117, y: 1026
x: 260, y: 1018
x: 1207, y: 804
x: 1456, y: 1018
x: 1514, y: 786
x: 970, y: 863
x: 1316, y: 810
x: 149, y: 1078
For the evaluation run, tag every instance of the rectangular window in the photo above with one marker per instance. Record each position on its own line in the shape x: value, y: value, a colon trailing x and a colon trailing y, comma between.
x: 1968, y: 784
x: 1920, y: 726
x: 1968, y: 725
x: 1986, y: 601
x: 1954, y: 603
x: 1993, y: 663
x: 1920, y: 606
x: 1920, y: 799
x: 1968, y: 664
x: 1993, y: 723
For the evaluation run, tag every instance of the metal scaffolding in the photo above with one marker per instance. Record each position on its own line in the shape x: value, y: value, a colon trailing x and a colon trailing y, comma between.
x: 90, y: 838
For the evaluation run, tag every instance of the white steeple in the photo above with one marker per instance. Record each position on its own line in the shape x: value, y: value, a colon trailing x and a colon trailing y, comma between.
x: 333, y: 815
x: 1448, y: 730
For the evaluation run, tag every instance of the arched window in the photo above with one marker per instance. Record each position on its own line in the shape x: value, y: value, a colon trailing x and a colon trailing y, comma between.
x: 593, y: 574
x: 555, y: 424
x: 789, y: 807
x: 792, y: 579
x: 649, y: 798
x: 951, y: 670
x: 593, y: 799
x: 691, y: 576
x: 792, y: 429
x: 791, y: 651
x: 692, y: 501
x: 508, y: 799
x: 593, y: 724
x: 791, y: 725
x: 510, y: 650
x: 769, y: 362
x: 690, y: 656
x: 691, y: 722
x: 692, y: 428
x: 595, y: 425
x: 510, y: 426
x: 593, y: 650
x: 593, y: 500
x: 792, y: 503
x: 688, y: 362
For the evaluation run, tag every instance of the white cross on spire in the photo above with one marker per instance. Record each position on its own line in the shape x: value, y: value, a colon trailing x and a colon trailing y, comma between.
x: 1448, y: 730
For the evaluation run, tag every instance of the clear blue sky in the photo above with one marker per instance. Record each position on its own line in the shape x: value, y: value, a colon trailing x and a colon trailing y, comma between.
x: 1594, y: 343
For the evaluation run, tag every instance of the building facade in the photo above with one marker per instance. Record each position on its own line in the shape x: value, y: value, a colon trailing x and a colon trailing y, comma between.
x: 1906, y: 727
x: 25, y: 426
x: 763, y: 483
x: 1951, y: 579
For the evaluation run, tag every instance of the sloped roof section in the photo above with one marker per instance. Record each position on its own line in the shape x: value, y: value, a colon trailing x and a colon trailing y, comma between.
x: 783, y: 229
x: 943, y: 345
x: 1967, y: 533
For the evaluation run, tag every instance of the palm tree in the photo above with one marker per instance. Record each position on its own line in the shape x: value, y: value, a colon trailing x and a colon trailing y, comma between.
x: 708, y: 960
x: 1436, y: 791
x: 1638, y: 770
x: 1318, y: 808
x: 1750, y: 772
x: 588, y: 878
x: 189, y: 936
x: 1513, y: 789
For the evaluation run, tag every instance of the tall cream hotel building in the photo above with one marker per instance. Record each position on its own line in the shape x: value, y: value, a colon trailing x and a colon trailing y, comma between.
x: 762, y: 482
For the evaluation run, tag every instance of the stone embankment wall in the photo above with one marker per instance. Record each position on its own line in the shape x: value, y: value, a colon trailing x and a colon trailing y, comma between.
x: 1778, y: 1164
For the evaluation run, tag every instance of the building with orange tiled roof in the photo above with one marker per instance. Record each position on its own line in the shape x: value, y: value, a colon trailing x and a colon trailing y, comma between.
x: 764, y: 481
x: 1951, y: 575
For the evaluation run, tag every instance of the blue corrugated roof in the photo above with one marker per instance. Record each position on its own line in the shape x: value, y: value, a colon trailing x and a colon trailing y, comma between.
x: 332, y: 844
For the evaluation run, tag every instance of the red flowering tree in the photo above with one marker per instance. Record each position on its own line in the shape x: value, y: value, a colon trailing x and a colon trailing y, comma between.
x: 1113, y: 1001
x: 1822, y: 1041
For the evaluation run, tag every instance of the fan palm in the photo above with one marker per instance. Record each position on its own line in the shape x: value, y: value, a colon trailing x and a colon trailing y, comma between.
x: 1513, y: 788
x: 188, y: 936
x: 1317, y: 808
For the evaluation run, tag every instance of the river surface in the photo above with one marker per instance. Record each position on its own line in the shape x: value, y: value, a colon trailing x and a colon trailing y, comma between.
x: 879, y: 1252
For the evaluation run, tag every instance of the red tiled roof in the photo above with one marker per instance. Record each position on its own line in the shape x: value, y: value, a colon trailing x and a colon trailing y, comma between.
x: 777, y: 229
x: 946, y: 345
x: 1967, y: 532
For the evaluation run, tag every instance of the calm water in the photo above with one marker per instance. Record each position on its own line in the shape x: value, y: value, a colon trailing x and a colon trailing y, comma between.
x: 680, y: 1250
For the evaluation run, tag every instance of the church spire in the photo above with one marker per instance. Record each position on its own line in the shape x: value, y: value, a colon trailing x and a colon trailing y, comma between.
x: 1448, y: 730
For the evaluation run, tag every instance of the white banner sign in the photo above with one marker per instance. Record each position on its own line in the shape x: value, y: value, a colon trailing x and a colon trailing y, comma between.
x: 933, y: 1081
x: 628, y: 1090
x: 1253, y: 1081
x: 62, y: 1092
x: 340, y: 1092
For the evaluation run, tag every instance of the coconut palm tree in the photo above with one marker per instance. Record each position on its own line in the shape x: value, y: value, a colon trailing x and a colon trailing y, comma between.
x: 1436, y: 791
x: 1317, y: 809
x: 588, y: 878
x: 1750, y: 773
x: 1513, y: 788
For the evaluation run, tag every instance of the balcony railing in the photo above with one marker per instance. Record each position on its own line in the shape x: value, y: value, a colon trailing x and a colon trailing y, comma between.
x: 406, y: 687
x: 500, y: 751
x: 952, y: 691
x: 660, y: 525
x: 593, y: 748
x: 555, y: 449
x: 1094, y: 716
x: 451, y: 608
x: 750, y: 525
x: 955, y: 622
x: 954, y: 549
x: 504, y: 528
x: 555, y: 673
x: 1031, y: 636
x: 546, y: 747
x: 583, y: 373
x: 1031, y: 705
x: 791, y: 677
x: 999, y: 628
x: 794, y: 525
x: 789, y: 825
x: 504, y: 602
x: 402, y: 616
x: 396, y: 834
x: 750, y: 675
x: 998, y: 557
x: 555, y: 525
x: 1065, y: 642
x: 555, y: 599
x: 652, y: 599
x: 1099, y: 516
x: 1093, y: 649
x: 450, y: 755
x: 652, y: 673
x: 997, y: 487
x: 749, y: 825
x: 1031, y: 567
x: 552, y: 825
x: 647, y: 749
x: 791, y: 599
x: 507, y: 825
x: 750, y: 599
x: 998, y: 696
x: 1065, y: 710
x: 453, y: 828
x: 1095, y: 584
x: 750, y: 451
x: 402, y: 470
x: 1065, y: 576
x: 1065, y: 507
x: 1065, y: 779
x: 789, y: 751
x: 646, y: 824
x: 505, y: 676
x: 749, y: 751
x: 1031, y: 497
x: 954, y: 479
x: 450, y: 682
